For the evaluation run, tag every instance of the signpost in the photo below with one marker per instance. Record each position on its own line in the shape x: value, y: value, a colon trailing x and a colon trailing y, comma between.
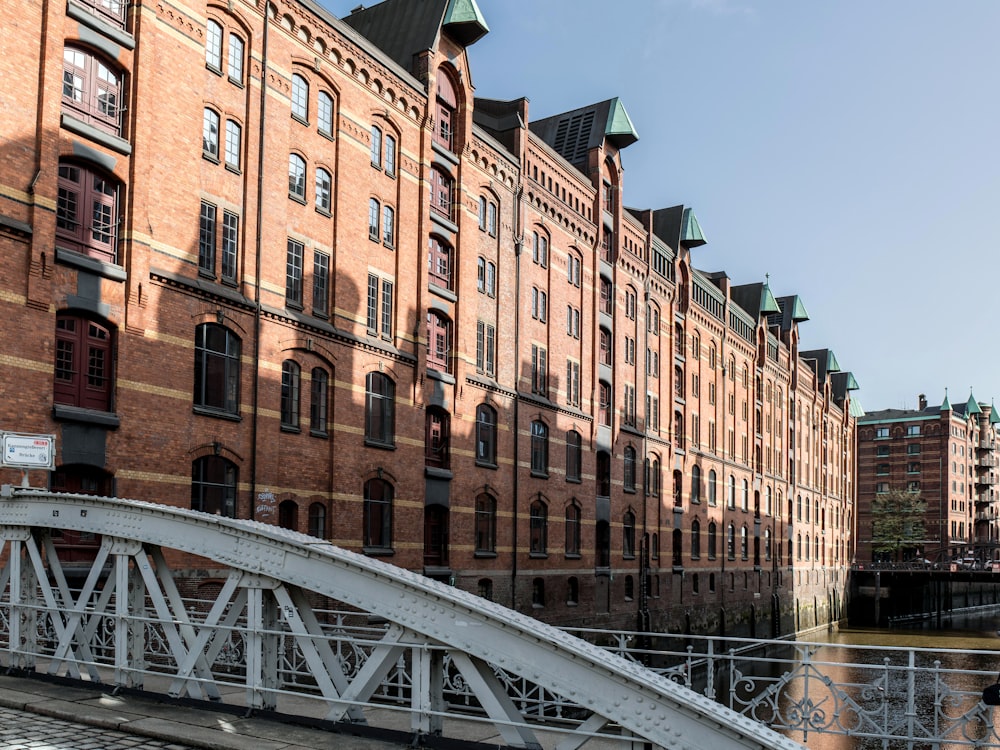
x: 27, y: 452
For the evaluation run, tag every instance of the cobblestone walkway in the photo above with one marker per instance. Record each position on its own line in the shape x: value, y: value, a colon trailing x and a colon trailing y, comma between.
x: 26, y: 731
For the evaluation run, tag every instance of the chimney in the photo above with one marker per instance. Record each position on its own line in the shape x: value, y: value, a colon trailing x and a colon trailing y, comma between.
x: 922, y: 400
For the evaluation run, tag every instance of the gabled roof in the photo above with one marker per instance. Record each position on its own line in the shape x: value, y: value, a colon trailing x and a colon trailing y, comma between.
x: 678, y: 226
x: 841, y: 383
x: 574, y: 134
x: 755, y: 298
x: 404, y: 28
x: 822, y: 361
x: 790, y: 310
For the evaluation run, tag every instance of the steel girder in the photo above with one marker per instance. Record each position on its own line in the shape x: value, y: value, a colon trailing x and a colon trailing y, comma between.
x: 271, y: 571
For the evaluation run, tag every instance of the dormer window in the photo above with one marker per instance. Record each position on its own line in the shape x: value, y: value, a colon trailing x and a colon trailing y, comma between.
x: 447, y: 109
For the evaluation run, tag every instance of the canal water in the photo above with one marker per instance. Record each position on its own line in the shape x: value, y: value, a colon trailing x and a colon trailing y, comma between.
x: 952, y: 671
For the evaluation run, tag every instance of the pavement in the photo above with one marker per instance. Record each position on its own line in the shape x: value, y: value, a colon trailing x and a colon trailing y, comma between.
x: 119, y: 719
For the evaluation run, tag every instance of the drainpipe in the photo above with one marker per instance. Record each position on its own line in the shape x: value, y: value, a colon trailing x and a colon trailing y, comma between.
x: 518, y: 247
x: 259, y: 232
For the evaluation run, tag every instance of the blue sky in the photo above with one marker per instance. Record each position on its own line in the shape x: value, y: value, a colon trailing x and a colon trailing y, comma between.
x: 848, y: 149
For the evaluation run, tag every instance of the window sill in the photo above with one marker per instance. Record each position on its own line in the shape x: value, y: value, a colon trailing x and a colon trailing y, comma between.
x: 379, y: 551
x: 87, y: 17
x: 628, y: 557
x: 300, y: 119
x: 68, y: 413
x: 323, y: 211
x: 208, y: 156
x: 538, y: 555
x: 484, y: 555
x: 236, y: 82
x: 539, y: 474
x: 291, y: 429
x: 207, y: 411
x: 78, y: 126
x: 85, y: 262
x: 574, y: 480
x: 442, y: 376
x: 319, y: 434
x: 234, y: 169
x: 573, y: 556
x: 297, y: 198
x: 376, y: 444
x: 486, y: 464
x: 438, y: 473
x: 442, y: 292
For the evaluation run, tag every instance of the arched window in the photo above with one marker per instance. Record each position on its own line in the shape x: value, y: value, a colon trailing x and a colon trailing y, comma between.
x: 767, y: 544
x: 711, y: 487
x: 602, y: 544
x: 604, y: 403
x: 678, y: 489
x: 603, y: 474
x: 317, y: 520
x: 696, y: 484
x: 213, y: 42
x: 83, y: 366
x: 388, y: 226
x: 216, y: 369
x: 573, y: 529
x: 574, y: 456
x: 486, y: 279
x: 712, y: 533
x: 441, y: 185
x: 538, y: 527
x: 486, y: 434
x: 486, y: 523
x: 539, y: 448
x: 437, y: 442
x: 438, y: 340
x: 731, y: 542
x: 296, y: 177
x: 745, y: 496
x: 324, y: 190
x: 290, y: 386
x: 677, y: 547
x: 300, y: 97
x: 628, y: 534
x: 731, y: 493
x: 380, y: 411
x: 628, y: 469
x: 378, y: 514
x: 653, y: 475
x: 695, y: 539
x: 320, y: 385
x: 744, y: 543
x: 605, y: 346
x: 446, y: 108
x: 324, y: 113
x: 288, y: 515
x: 679, y: 429
x: 439, y: 262
x: 213, y: 486
x: 91, y: 90
x: 87, y: 212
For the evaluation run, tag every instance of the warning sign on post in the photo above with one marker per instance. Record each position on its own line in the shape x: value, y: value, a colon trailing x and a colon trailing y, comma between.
x: 28, y: 451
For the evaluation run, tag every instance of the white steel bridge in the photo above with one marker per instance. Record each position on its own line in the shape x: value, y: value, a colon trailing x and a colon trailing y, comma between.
x: 390, y: 638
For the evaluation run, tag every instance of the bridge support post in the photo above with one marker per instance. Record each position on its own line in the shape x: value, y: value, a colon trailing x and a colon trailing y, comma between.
x: 428, y: 691
x: 262, y: 647
x: 24, y: 604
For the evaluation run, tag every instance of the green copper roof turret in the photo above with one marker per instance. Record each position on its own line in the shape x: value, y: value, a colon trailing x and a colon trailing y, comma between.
x: 972, y: 407
x: 465, y: 15
x: 691, y: 234
x: 946, y: 404
x: 619, y: 126
x: 768, y: 304
x: 994, y: 417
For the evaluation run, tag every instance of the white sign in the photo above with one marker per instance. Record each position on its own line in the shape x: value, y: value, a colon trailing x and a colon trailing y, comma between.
x: 28, y: 451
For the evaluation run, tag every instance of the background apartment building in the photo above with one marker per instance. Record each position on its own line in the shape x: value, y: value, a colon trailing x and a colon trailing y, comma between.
x: 268, y: 263
x: 945, y: 455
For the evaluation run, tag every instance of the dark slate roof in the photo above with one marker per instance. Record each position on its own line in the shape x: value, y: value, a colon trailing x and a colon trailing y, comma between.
x: 678, y: 226
x: 885, y: 415
x: 756, y: 298
x: 574, y: 134
x: 822, y: 362
x: 404, y: 28
x: 790, y: 310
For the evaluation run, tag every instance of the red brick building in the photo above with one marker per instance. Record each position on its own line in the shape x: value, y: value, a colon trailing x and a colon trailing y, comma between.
x: 294, y: 270
x: 947, y: 456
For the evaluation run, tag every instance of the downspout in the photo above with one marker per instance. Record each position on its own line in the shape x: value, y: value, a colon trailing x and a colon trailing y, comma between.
x: 259, y: 232
x: 518, y: 247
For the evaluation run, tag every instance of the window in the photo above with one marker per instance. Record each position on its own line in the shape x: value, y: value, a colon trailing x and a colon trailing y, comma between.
x: 572, y: 529
x: 538, y: 592
x: 216, y: 369
x: 439, y: 263
x: 539, y: 370
x: 83, y: 367
x: 437, y: 438
x: 390, y: 155
x: 912, y: 430
x: 438, y: 340
x: 485, y: 348
x: 695, y: 539
x: 628, y: 405
x: 235, y: 59
x: 630, y: 303
x: 604, y: 404
x: 572, y: 321
x: 234, y: 144
x: 712, y: 532
x: 485, y: 589
x: 207, y: 239
x: 320, y: 386
x: 87, y: 212
x: 744, y: 544
x: 711, y: 487
x: 441, y: 189
x: 572, y: 591
x: 731, y: 493
x: 628, y: 475
x: 317, y: 520
x: 446, y: 103
x: 604, y: 354
x: 881, y: 433
x: 230, y: 244
x: 653, y: 476
x: 539, y: 448
x: 380, y: 412
x: 378, y: 514
x: 389, y: 226
x: 91, y: 90
x: 628, y: 534
x: 574, y: 455
x: 491, y: 219
x: 696, y: 484
x: 574, y: 268
x: 213, y: 45
x: 210, y: 134
x: 300, y: 97
x: 290, y: 377
x: 539, y: 304
x: 538, y: 528
x: 324, y: 113
x: 213, y: 486
x: 572, y: 383
x: 606, y: 304
x: 379, y: 315
x: 321, y: 283
x: 486, y: 277
x: 486, y: 435
x: 324, y: 190
x: 539, y: 249
x: 296, y: 177
x: 731, y: 542
x: 293, y: 273
x: 745, y: 496
x: 603, y: 474
x: 486, y: 524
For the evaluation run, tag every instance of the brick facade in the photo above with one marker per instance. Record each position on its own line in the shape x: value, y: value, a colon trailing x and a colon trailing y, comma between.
x: 297, y: 217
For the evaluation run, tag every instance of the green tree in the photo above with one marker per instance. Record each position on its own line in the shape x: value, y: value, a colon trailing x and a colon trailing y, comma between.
x: 898, y: 522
